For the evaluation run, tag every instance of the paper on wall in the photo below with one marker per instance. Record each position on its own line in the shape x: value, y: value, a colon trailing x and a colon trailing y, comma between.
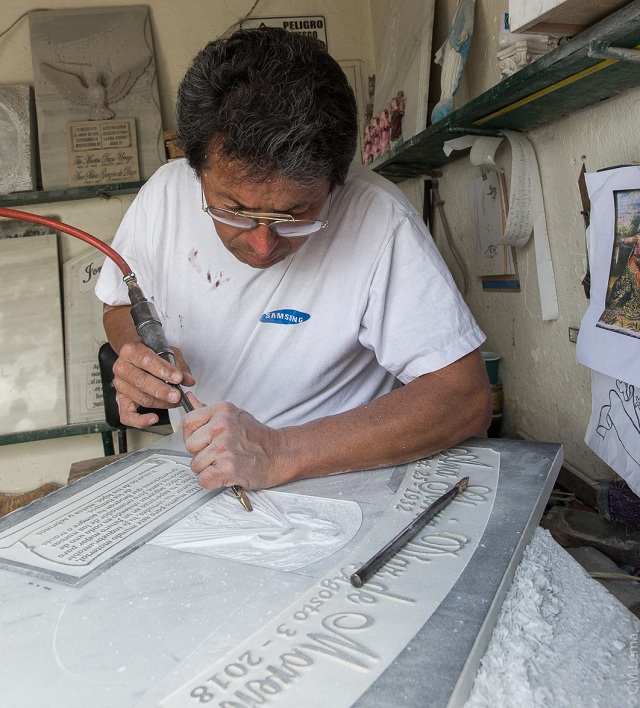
x: 609, y: 338
x: 614, y: 428
x: 487, y: 195
x: 526, y: 205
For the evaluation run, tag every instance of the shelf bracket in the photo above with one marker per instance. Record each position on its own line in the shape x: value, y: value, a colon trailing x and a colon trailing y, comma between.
x: 601, y: 50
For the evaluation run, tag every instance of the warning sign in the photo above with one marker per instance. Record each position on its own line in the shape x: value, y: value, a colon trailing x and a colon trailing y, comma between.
x: 312, y: 26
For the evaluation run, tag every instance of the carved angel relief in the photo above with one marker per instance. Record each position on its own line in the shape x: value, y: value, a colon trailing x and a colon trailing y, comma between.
x: 95, y: 93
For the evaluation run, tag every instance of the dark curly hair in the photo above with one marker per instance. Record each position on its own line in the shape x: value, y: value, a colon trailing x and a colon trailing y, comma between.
x: 273, y: 101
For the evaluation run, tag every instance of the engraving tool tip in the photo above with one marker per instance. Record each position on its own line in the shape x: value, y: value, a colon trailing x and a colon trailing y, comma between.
x: 242, y: 497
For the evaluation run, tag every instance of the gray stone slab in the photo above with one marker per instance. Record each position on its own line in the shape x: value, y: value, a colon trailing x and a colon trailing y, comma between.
x: 17, y: 139
x: 83, y: 336
x: 94, y: 64
x: 166, y: 615
x: 32, y: 363
x: 438, y: 666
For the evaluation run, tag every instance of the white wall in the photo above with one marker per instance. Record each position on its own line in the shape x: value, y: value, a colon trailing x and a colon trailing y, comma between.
x: 547, y: 394
x: 180, y: 30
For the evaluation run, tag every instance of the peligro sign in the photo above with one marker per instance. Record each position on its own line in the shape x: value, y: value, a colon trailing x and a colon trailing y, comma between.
x: 314, y: 26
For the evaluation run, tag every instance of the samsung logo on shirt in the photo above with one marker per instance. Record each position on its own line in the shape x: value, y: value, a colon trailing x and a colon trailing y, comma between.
x: 286, y: 317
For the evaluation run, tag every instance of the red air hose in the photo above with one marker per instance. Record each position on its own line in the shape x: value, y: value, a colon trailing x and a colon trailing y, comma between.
x: 72, y: 231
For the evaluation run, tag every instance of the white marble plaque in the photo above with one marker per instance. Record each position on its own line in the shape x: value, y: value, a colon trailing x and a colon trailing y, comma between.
x: 335, y: 640
x: 32, y: 356
x: 403, y: 62
x: 560, y: 17
x: 102, y: 152
x: 94, y: 64
x: 17, y: 139
x: 284, y: 531
x: 83, y: 336
x: 84, y: 533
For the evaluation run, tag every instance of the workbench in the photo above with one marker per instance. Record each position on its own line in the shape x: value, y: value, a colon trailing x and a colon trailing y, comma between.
x: 157, y: 618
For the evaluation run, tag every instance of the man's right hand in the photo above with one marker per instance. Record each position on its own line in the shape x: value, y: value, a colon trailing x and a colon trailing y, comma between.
x: 140, y: 379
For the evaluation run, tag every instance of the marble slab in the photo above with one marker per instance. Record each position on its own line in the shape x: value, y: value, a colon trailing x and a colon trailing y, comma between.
x: 404, y: 61
x: 336, y: 640
x: 158, y: 617
x: 32, y: 387
x: 17, y: 139
x: 94, y: 64
x: 83, y: 336
x: 559, y: 17
x: 73, y: 536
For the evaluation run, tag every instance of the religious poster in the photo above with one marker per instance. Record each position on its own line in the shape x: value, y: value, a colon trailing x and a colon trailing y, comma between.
x: 403, y: 64
x: 622, y: 299
x: 609, y: 338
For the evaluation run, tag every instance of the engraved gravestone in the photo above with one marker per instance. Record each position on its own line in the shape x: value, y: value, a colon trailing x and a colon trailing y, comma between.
x: 83, y: 336
x: 17, y: 139
x: 96, y: 96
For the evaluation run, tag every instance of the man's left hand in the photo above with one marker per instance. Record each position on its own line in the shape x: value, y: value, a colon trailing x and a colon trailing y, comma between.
x: 230, y: 447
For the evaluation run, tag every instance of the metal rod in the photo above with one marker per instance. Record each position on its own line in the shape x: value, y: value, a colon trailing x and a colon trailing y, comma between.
x: 601, y: 50
x: 373, y: 565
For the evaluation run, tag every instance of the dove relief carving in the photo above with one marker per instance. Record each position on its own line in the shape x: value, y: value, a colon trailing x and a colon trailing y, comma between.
x: 95, y: 92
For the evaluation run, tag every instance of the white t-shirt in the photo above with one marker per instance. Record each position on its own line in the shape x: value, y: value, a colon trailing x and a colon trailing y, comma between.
x: 363, y: 305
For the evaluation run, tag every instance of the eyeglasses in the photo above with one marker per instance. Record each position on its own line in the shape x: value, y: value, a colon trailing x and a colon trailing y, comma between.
x: 282, y: 224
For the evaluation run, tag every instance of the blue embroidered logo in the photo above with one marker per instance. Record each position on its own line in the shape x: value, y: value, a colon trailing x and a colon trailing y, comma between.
x: 286, y: 317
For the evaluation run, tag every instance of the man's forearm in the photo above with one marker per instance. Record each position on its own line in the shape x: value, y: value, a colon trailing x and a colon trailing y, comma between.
x: 119, y: 326
x: 430, y: 414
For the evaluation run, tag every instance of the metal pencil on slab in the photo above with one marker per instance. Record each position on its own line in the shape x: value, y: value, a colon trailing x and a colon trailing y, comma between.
x: 373, y: 565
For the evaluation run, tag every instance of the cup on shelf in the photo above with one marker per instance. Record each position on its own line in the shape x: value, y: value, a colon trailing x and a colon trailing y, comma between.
x: 492, y: 362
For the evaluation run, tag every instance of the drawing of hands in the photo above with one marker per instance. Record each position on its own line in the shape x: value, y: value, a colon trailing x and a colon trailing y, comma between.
x: 622, y: 415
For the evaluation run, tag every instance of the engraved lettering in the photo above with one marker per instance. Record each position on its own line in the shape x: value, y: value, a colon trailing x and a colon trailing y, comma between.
x: 336, y: 645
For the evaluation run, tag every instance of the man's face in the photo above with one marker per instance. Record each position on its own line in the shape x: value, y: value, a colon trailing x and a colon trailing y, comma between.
x: 259, y: 247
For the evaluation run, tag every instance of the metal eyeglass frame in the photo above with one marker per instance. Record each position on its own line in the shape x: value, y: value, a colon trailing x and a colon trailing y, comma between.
x: 276, y: 218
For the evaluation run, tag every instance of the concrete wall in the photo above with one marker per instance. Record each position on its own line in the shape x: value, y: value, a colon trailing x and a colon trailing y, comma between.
x: 547, y: 394
x: 180, y: 30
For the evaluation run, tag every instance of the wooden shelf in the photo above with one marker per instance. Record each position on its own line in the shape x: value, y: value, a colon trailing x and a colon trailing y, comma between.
x: 69, y: 194
x: 554, y: 85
